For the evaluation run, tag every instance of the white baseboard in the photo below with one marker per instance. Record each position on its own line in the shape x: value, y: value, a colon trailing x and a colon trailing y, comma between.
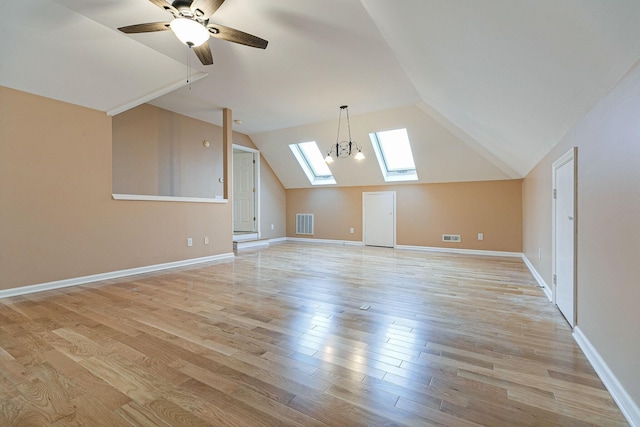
x: 325, y: 241
x: 5, y: 293
x: 628, y: 407
x: 247, y: 236
x: 278, y: 240
x: 538, y: 277
x: 459, y: 251
x: 244, y: 244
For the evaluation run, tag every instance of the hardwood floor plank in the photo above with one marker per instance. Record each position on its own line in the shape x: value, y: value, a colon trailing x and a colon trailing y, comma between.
x: 20, y: 412
x: 276, y: 337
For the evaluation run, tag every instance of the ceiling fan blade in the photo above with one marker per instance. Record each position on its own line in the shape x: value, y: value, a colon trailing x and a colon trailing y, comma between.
x: 145, y: 28
x: 162, y: 4
x: 236, y: 36
x: 204, y: 53
x: 204, y: 8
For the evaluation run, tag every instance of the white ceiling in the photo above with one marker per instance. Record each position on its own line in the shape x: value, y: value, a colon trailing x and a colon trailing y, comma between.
x: 485, y: 87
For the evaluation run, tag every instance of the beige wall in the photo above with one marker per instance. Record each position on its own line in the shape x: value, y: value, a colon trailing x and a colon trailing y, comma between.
x: 57, y: 217
x: 424, y: 213
x: 608, y: 141
x: 158, y: 152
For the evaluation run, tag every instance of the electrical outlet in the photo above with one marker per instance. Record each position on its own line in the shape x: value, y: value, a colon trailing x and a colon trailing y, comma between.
x: 189, y: 241
x: 273, y: 226
x: 480, y: 236
x: 206, y: 240
x: 352, y: 230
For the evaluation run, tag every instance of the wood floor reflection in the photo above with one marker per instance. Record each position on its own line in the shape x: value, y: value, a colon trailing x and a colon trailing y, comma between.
x: 277, y: 337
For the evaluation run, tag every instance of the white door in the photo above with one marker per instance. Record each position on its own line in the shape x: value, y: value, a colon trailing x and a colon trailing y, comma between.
x: 244, y: 201
x: 379, y: 218
x: 564, y: 236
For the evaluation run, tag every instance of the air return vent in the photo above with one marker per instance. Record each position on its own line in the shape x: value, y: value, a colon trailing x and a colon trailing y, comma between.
x: 450, y: 237
x: 304, y: 224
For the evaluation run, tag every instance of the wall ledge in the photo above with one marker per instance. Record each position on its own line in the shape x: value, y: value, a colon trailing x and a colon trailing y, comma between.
x: 546, y: 288
x: 23, y: 290
x: 142, y: 197
x: 628, y: 407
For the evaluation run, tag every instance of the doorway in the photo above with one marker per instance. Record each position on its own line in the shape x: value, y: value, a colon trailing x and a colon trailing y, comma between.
x: 246, y: 186
x: 379, y: 218
x: 564, y: 235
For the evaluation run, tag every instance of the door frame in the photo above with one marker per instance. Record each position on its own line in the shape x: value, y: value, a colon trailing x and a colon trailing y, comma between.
x: 570, y: 155
x: 256, y: 181
x: 364, y: 222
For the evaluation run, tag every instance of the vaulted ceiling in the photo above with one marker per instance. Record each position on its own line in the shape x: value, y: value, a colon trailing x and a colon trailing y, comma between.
x: 485, y: 87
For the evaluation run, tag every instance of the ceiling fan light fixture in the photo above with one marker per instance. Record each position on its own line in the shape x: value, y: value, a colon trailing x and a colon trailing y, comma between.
x: 189, y: 32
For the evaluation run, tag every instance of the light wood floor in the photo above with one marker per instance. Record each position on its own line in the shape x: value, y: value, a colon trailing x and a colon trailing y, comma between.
x: 277, y: 337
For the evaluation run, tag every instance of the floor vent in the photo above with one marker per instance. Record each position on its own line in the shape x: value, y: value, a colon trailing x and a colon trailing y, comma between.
x: 304, y: 224
x: 450, y: 237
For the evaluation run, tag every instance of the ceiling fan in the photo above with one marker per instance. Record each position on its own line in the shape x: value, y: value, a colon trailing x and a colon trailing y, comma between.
x: 192, y: 27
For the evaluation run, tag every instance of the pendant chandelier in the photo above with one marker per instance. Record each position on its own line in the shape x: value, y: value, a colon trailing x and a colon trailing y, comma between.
x: 344, y: 148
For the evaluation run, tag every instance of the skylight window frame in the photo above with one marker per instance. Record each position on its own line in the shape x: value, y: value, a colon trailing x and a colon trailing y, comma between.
x: 392, y: 175
x: 307, y: 165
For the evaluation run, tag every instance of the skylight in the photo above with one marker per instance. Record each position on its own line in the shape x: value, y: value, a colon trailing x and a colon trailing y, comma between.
x: 312, y: 163
x: 393, y: 151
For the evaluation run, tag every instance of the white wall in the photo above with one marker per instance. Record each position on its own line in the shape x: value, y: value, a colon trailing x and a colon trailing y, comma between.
x: 608, y: 141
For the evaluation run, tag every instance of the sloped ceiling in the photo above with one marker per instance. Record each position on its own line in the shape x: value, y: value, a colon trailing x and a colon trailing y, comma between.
x: 485, y: 87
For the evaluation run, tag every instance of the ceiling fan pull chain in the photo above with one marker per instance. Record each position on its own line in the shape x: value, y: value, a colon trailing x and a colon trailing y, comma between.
x: 189, y: 68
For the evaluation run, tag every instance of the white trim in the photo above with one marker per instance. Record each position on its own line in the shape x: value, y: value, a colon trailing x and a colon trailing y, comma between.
x: 325, y: 241
x: 107, y: 276
x: 153, y: 95
x: 545, y: 288
x: 626, y: 404
x: 460, y: 251
x: 250, y: 244
x: 166, y: 198
x: 245, y: 236
x: 278, y: 240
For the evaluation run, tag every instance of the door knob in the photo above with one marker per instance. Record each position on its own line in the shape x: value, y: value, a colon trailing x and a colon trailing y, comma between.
x: 570, y: 218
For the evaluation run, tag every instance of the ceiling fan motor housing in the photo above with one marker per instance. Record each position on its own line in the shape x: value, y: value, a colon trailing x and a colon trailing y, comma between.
x: 184, y: 7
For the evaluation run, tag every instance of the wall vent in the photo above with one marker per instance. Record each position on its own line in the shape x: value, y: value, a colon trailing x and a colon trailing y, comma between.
x: 304, y: 224
x: 450, y: 237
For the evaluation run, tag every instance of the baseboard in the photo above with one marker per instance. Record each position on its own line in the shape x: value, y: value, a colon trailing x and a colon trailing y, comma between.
x: 459, y: 251
x: 5, y: 293
x: 247, y: 236
x: 278, y: 240
x: 325, y: 241
x: 244, y: 244
x: 628, y: 407
x: 545, y: 288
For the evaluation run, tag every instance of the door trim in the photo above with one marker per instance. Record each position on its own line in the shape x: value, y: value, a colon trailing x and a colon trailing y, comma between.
x: 256, y: 179
x: 572, y: 154
x: 364, y: 230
